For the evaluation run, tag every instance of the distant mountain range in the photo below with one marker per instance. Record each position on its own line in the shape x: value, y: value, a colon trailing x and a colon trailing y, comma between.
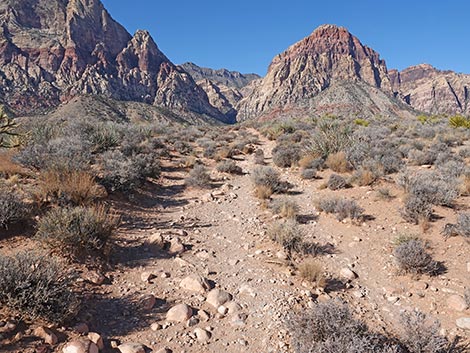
x: 59, y: 52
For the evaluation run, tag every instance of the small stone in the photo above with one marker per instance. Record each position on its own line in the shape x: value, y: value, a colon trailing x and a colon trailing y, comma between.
x: 192, y: 322
x: 232, y: 307
x: 155, y: 242
x: 246, y: 289
x: 238, y: 320
x: 222, y: 310
x: 131, y: 348
x: 203, y: 315
x: 80, y: 346
x: 148, y: 302
x: 457, y: 303
x: 94, y: 278
x: 96, y: 339
x: 179, y: 313
x: 165, y: 275
x: 202, y: 335
x: 195, y: 283
x: 147, y: 276
x: 348, y: 273
x: 46, y: 334
x: 164, y: 350
x: 176, y: 246
x: 218, y: 297
x: 155, y: 326
x: 463, y: 323
x: 243, y: 342
x: 281, y: 255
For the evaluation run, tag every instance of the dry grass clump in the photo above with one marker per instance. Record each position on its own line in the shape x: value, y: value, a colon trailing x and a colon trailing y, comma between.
x: 364, y: 177
x: 12, y: 208
x: 69, y: 187
x: 77, y: 232
x: 37, y: 286
x: 412, y: 257
x: 338, y: 162
x: 265, y: 178
x: 336, y: 182
x: 286, y: 208
x: 263, y: 192
x: 342, y: 208
x: 312, y: 271
x: 230, y: 167
x: 287, y: 234
x: 8, y: 168
x: 199, y: 177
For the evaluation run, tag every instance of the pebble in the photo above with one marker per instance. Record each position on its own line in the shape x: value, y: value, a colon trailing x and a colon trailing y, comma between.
x: 179, y: 313
x: 155, y: 326
x: 203, y: 315
x: 46, y: 334
x: 348, y: 273
x: 155, y: 242
x: 80, y: 346
x: 218, y: 297
x: 457, y: 303
x: 176, y: 246
x: 96, y: 339
x: 195, y: 283
x: 131, y: 348
x: 148, y: 302
x: 202, y: 335
x: 147, y: 276
x: 94, y: 277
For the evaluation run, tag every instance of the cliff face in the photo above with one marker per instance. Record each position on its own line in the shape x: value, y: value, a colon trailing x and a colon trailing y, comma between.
x: 53, y: 50
x: 328, y: 56
x: 433, y: 91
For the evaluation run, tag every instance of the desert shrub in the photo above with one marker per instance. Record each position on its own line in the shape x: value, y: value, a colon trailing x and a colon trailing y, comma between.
x: 416, y: 209
x: 199, y: 177
x: 451, y: 169
x: 287, y: 234
x: 77, y: 232
x: 361, y: 122
x: 229, y: 167
x: 463, y: 225
x: 465, y: 152
x: 66, y: 187
x: 421, y: 334
x: 9, y: 136
x: 337, y: 162
x: 8, y: 167
x: 285, y: 207
x: 182, y: 147
x: 120, y: 173
x: 269, y: 177
x: 286, y: 156
x: 311, y: 162
x: 210, y: 150
x: 384, y: 194
x: 259, y: 156
x: 313, y: 272
x: 12, y: 208
x: 466, y: 297
x: 417, y: 157
x: 263, y: 192
x: 342, y: 208
x: 308, y: 174
x: 148, y: 165
x: 330, y: 137
x: 331, y: 327
x: 459, y: 121
x: 336, y: 182
x: 36, y: 287
x: 412, y: 257
x: 365, y: 177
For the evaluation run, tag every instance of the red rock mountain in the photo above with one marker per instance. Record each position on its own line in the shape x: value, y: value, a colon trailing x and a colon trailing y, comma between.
x: 330, y: 56
x: 54, y: 50
x: 433, y: 91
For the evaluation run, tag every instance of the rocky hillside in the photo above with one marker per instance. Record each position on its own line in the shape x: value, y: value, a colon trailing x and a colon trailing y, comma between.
x: 54, y: 50
x: 329, y: 56
x: 433, y: 91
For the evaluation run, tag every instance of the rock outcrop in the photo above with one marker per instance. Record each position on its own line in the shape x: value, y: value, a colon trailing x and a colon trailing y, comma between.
x: 54, y: 50
x: 433, y: 91
x: 329, y: 56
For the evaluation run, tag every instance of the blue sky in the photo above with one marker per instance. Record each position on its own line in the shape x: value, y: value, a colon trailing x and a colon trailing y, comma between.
x: 245, y: 35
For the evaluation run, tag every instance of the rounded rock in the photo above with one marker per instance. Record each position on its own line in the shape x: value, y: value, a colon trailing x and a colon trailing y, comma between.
x: 80, y: 346
x: 218, y: 297
x: 131, y: 348
x: 179, y: 313
x: 195, y: 283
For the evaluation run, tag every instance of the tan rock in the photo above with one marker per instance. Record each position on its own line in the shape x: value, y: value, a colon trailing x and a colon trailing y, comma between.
x: 148, y: 302
x: 131, y: 348
x: 155, y: 242
x: 176, y: 246
x: 347, y: 273
x: 179, y: 313
x: 218, y: 297
x: 195, y: 283
x: 46, y: 334
x: 457, y: 303
x: 202, y: 335
x: 96, y: 339
x: 463, y: 323
x: 80, y: 346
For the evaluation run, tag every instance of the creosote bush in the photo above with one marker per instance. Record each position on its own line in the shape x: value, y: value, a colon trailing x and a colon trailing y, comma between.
x: 412, y: 257
x: 12, y: 208
x: 308, y: 174
x: 342, y: 208
x: 286, y: 156
x: 259, y: 156
x: 199, y: 177
x: 36, y: 286
x: 287, y: 234
x: 285, y: 207
x: 77, y: 232
x: 230, y: 167
x: 336, y: 182
x: 269, y: 177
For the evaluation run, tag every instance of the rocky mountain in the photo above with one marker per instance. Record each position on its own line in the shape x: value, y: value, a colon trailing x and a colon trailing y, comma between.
x: 329, y: 56
x: 232, y: 79
x: 54, y: 50
x: 433, y: 91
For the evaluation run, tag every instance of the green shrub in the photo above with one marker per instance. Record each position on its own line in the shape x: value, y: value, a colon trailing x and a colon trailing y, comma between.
x: 77, y: 232
x: 36, y: 287
x: 459, y: 121
x: 361, y: 122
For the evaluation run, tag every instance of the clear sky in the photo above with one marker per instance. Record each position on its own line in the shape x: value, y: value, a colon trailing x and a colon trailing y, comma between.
x: 244, y: 35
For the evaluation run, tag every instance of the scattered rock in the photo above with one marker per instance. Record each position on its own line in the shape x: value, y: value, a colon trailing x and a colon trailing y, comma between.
x: 222, y: 310
x: 179, y: 313
x: 463, y: 323
x: 192, y: 322
x: 204, y: 316
x: 195, y: 283
x: 246, y: 289
x: 232, y: 307
x: 96, y: 339
x: 131, y: 348
x: 46, y: 334
x: 164, y: 350
x: 238, y: 320
x: 80, y: 346
x: 218, y: 297
x: 155, y: 242
x: 457, y: 303
x: 348, y: 273
x: 202, y: 335
x: 147, y: 276
x: 176, y: 246
x: 94, y: 277
x: 148, y: 302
